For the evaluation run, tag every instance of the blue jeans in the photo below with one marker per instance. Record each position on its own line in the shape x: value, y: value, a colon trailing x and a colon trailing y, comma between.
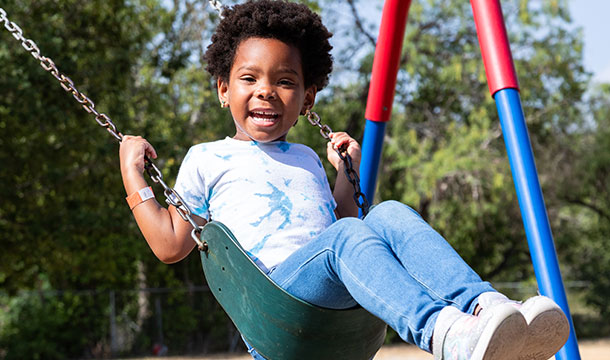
x: 392, y: 263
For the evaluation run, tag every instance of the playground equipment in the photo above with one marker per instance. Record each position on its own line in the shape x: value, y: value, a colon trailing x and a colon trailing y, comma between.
x: 504, y: 88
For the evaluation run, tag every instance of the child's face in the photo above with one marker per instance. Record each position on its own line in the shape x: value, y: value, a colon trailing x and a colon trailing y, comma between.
x: 265, y: 91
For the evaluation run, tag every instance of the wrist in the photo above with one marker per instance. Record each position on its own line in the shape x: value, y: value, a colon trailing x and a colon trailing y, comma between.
x: 355, y: 166
x: 131, y: 171
x: 133, y: 180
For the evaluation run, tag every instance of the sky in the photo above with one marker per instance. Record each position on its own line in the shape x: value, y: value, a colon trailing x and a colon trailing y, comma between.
x: 592, y: 16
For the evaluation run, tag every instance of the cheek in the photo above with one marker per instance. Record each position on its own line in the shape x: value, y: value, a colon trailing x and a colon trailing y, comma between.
x: 238, y: 93
x: 297, y: 101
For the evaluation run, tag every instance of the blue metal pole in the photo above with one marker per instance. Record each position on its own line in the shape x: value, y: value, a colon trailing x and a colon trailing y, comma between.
x: 533, y: 210
x: 372, y: 146
x: 381, y: 90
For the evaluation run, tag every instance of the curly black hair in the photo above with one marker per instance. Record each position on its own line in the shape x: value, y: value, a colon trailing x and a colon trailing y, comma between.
x: 292, y: 23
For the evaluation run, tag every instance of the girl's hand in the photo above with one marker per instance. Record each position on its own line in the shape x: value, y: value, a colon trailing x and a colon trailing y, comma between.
x: 132, y: 151
x: 339, y: 140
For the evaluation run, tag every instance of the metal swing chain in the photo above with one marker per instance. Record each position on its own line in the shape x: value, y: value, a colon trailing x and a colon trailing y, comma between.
x: 217, y: 5
x: 352, y: 176
x: 171, y: 196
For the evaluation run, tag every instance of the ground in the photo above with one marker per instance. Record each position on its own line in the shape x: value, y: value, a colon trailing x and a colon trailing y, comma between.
x: 589, y: 350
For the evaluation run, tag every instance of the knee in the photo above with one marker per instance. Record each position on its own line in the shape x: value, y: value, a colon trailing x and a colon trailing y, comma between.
x: 353, y: 233
x: 350, y: 224
x: 393, y: 209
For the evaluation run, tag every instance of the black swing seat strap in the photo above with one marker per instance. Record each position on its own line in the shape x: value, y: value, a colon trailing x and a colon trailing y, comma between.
x: 278, y: 325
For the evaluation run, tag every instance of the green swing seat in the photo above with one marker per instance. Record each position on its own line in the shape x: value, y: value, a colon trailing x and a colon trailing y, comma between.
x: 278, y: 325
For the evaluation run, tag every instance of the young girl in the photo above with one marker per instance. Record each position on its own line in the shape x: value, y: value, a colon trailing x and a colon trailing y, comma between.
x: 270, y: 58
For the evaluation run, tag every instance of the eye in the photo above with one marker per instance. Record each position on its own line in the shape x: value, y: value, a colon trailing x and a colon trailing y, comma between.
x: 286, y: 82
x: 248, y: 79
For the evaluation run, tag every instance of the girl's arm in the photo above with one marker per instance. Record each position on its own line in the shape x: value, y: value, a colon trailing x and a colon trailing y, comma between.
x: 167, y: 234
x: 344, y: 191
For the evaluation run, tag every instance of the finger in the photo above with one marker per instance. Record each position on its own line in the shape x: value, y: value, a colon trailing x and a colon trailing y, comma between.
x: 149, y: 150
x: 338, y: 134
x: 331, y: 155
x: 342, y: 136
x: 341, y: 140
x: 129, y: 138
x: 331, y: 150
x: 153, y: 152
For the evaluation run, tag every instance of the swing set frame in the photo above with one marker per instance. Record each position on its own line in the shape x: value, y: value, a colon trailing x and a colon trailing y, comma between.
x: 504, y: 88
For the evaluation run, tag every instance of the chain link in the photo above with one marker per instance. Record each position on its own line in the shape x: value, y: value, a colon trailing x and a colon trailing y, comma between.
x: 217, y: 5
x: 352, y: 175
x: 314, y: 119
x: 172, y: 197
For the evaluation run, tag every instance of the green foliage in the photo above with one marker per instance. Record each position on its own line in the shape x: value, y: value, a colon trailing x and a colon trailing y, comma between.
x: 62, y: 209
x: 445, y: 154
x: 584, y: 219
x: 192, y: 322
x: 51, y: 326
x: 57, y: 197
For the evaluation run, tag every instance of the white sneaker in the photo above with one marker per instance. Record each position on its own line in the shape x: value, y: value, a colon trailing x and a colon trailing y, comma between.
x: 497, y: 333
x: 548, y: 327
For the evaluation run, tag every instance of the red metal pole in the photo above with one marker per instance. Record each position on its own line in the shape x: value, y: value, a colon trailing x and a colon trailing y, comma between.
x: 382, y: 89
x: 387, y: 60
x: 495, y: 48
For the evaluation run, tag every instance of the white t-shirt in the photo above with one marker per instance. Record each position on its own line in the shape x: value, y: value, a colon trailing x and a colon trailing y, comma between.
x: 274, y: 197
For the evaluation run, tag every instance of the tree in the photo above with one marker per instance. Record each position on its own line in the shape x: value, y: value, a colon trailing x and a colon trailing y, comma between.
x: 64, y: 224
x: 583, y: 219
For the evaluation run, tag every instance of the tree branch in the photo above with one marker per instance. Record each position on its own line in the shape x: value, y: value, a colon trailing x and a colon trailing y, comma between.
x: 420, y: 31
x: 359, y: 24
x: 590, y: 206
x: 506, y: 257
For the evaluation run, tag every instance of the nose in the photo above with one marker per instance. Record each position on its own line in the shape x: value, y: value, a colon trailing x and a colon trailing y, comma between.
x: 265, y: 91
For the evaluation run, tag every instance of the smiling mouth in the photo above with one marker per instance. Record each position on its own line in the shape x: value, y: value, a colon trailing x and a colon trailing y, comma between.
x: 264, y: 118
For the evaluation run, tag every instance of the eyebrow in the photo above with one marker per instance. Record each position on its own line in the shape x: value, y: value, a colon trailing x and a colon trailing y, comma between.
x: 281, y: 69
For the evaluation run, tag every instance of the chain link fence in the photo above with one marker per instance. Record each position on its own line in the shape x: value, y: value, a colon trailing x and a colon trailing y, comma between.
x: 114, y: 323
x: 155, y: 321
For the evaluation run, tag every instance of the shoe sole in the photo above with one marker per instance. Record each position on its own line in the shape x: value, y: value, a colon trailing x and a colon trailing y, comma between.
x: 505, y: 338
x: 547, y: 333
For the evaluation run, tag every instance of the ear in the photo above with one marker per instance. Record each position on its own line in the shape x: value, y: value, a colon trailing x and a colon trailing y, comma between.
x: 310, y: 98
x: 223, y: 90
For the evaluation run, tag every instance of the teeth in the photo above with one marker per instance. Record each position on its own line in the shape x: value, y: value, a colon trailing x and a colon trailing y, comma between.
x: 263, y: 119
x: 264, y: 113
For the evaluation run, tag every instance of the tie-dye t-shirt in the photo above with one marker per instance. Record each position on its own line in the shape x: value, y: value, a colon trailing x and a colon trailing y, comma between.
x: 274, y: 197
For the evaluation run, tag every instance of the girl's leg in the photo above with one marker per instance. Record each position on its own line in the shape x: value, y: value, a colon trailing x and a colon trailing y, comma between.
x: 350, y: 264
x: 426, y: 255
x: 546, y: 328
